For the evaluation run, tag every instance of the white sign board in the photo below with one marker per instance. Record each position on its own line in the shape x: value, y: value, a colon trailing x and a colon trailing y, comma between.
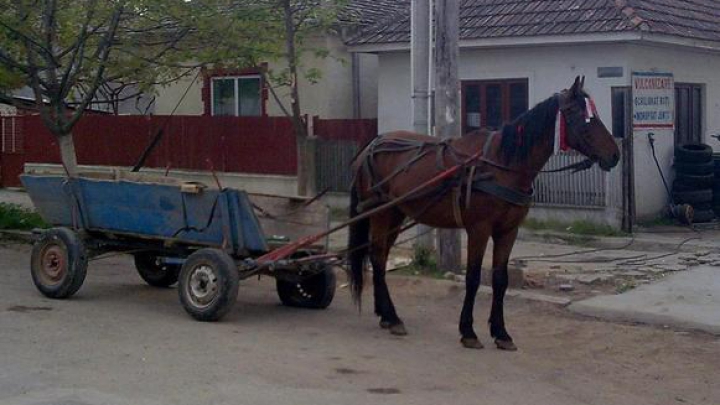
x: 653, y: 101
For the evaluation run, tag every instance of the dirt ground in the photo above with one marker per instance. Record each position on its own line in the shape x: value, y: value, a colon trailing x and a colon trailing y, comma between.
x: 119, y: 341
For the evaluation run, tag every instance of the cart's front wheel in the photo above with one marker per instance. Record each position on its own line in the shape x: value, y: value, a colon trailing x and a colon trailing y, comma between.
x: 315, y: 292
x: 208, y: 284
x: 154, y: 272
x: 58, y: 263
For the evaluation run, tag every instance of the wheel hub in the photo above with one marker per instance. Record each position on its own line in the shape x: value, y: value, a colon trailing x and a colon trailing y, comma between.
x: 203, y: 285
x: 54, y: 264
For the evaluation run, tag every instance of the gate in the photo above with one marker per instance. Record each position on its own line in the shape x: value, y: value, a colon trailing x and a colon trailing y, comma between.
x: 582, y: 190
x: 333, y: 159
x: 12, y: 147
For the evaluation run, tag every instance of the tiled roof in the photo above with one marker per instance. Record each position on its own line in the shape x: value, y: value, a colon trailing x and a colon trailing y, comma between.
x: 479, y: 19
x: 370, y: 12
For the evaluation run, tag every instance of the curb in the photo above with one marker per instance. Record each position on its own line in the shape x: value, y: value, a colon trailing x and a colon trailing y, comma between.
x: 530, y: 296
x: 645, y: 318
x: 20, y: 236
x: 643, y: 242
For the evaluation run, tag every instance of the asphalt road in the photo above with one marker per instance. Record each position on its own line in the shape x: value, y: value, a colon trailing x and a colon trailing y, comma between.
x: 119, y: 341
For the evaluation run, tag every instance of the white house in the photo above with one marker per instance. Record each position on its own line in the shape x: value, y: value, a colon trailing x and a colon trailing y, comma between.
x: 515, y: 54
x: 346, y: 89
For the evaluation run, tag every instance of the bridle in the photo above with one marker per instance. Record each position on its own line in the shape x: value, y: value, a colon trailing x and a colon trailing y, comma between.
x: 577, y: 119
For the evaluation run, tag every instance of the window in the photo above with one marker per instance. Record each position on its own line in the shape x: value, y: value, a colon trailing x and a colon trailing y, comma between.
x: 239, y: 96
x: 492, y: 103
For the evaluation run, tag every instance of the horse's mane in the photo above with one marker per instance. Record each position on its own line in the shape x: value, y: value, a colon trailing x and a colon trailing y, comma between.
x: 524, y: 133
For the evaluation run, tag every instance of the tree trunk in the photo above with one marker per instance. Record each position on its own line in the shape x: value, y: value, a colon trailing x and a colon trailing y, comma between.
x: 306, y: 165
x: 305, y: 146
x: 67, y: 154
x: 447, y: 102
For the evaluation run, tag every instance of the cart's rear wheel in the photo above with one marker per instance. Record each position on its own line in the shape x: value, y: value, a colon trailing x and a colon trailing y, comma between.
x: 154, y: 272
x: 208, y: 284
x: 58, y: 263
x: 315, y: 292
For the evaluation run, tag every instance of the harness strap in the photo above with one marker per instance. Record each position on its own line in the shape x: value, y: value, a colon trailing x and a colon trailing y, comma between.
x: 457, y: 210
x: 505, y: 193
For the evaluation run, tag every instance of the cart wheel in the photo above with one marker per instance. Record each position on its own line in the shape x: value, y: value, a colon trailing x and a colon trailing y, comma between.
x: 208, y: 284
x: 58, y: 263
x: 315, y: 292
x: 154, y: 272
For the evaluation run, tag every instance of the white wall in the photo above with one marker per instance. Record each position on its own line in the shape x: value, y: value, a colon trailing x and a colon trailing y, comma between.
x: 688, y: 66
x: 6, y: 109
x: 550, y: 69
x: 331, y: 97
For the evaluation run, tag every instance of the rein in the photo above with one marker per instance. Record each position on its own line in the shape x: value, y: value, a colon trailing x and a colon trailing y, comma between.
x: 575, y: 167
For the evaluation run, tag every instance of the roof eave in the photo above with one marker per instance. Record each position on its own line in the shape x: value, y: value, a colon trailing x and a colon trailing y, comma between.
x: 544, y: 40
x: 672, y: 40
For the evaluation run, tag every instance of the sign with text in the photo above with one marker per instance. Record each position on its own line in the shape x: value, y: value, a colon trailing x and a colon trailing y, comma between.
x: 653, y: 101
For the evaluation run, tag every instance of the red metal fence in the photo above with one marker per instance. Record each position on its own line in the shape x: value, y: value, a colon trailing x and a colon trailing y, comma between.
x: 227, y: 144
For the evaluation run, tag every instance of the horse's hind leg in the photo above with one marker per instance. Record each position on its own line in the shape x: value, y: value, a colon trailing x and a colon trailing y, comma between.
x: 384, y: 230
x: 503, y: 245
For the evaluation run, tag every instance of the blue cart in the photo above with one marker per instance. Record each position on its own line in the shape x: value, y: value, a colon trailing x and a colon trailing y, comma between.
x: 206, y: 240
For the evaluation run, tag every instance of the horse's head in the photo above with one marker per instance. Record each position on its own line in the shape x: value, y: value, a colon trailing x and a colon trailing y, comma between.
x: 584, y: 130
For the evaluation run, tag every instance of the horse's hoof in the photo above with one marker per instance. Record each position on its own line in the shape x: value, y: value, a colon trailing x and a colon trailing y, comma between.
x: 385, y: 324
x: 505, y: 345
x: 471, y: 343
x: 398, y: 329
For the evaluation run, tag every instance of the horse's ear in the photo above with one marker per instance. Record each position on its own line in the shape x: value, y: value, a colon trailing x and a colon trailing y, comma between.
x: 582, y: 82
x: 575, y: 89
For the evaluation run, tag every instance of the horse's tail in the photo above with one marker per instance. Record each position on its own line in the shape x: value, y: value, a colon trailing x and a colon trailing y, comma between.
x: 358, y: 247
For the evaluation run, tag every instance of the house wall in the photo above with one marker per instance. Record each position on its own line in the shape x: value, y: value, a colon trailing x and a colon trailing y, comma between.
x: 330, y: 98
x: 548, y: 70
x: 688, y: 66
x: 552, y: 68
x: 6, y: 109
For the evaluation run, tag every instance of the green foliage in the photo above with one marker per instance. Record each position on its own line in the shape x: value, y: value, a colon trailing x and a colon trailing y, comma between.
x: 15, y: 217
x: 424, y: 257
x: 423, y: 264
x: 66, y: 49
x: 575, y: 227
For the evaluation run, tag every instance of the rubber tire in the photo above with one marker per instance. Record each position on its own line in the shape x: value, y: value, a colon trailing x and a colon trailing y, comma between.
x: 320, y: 288
x: 694, y: 182
x: 695, y: 168
x: 693, y: 153
x: 156, y: 275
x: 680, y: 187
x: 692, y: 197
x: 75, y: 256
x: 702, y: 216
x: 702, y: 206
x: 228, y: 281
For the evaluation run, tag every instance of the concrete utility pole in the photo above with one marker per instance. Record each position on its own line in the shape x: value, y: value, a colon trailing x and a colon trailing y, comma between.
x: 447, y: 102
x: 420, y: 77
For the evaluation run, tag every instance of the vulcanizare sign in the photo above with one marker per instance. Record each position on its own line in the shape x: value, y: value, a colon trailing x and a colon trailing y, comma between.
x: 653, y: 101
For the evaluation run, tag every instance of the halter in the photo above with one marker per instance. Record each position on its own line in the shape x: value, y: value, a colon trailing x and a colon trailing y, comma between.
x: 569, y: 114
x: 569, y: 110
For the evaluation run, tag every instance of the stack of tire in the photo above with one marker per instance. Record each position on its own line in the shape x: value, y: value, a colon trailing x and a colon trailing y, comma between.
x: 695, y: 179
x: 716, y: 185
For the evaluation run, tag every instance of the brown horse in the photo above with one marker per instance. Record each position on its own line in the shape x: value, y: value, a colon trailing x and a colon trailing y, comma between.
x: 489, y: 196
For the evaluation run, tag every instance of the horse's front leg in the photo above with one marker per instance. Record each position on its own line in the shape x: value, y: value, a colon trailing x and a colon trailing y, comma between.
x: 477, y: 242
x: 503, y: 245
